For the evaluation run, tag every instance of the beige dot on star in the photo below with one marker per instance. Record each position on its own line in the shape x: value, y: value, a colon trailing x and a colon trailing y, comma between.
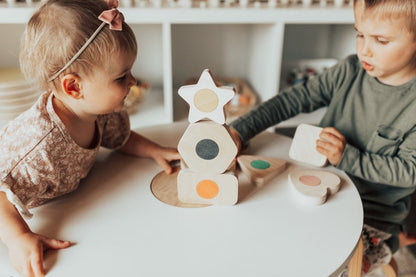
x: 206, y: 100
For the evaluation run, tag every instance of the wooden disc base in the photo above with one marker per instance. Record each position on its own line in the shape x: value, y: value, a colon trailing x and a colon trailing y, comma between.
x: 164, y: 188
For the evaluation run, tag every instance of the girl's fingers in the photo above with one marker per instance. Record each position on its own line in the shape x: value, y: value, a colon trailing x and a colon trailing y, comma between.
x: 164, y: 165
x: 55, y: 244
x: 37, y: 265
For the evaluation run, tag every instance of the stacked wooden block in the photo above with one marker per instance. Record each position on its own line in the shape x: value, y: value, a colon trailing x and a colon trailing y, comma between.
x: 207, y: 174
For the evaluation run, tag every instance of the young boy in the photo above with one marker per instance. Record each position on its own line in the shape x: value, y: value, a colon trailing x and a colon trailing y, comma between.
x: 370, y: 124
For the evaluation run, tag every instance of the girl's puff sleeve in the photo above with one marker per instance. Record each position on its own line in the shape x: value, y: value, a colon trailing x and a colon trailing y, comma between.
x: 4, y: 187
x: 115, y: 129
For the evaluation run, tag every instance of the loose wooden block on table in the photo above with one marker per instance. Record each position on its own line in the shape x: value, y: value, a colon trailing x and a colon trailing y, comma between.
x: 303, y: 147
x: 314, y: 186
x: 260, y: 169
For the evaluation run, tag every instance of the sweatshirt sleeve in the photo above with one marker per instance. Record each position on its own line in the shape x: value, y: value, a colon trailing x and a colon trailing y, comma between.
x: 302, y: 98
x: 397, y: 170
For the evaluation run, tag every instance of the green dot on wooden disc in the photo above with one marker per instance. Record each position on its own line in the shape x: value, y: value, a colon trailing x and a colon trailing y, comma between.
x: 260, y: 164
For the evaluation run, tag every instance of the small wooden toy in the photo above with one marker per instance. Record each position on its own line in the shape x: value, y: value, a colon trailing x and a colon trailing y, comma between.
x: 203, y: 188
x: 205, y: 99
x: 164, y: 187
x: 313, y: 186
x: 207, y: 147
x: 303, y: 147
x: 260, y: 169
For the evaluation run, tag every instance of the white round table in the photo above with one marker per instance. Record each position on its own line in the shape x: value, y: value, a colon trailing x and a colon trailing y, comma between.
x: 120, y: 229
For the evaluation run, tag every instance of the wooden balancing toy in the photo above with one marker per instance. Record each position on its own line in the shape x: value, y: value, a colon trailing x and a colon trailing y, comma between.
x: 208, y: 176
x: 207, y: 147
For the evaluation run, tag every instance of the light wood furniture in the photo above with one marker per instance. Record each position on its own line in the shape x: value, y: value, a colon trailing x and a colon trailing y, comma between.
x: 356, y: 262
x: 391, y: 269
x: 254, y: 44
x: 121, y: 229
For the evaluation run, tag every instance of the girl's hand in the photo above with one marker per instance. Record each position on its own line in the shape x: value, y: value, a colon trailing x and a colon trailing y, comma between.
x: 163, y: 156
x: 331, y: 144
x: 26, y: 252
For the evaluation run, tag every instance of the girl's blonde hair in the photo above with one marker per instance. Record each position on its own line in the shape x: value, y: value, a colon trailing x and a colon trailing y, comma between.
x: 393, y: 9
x: 58, y: 29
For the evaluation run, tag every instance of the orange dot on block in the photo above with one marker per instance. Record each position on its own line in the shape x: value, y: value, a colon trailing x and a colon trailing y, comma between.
x: 207, y: 189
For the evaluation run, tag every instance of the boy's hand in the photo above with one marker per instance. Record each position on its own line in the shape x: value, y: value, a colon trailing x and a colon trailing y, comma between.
x: 26, y: 252
x: 163, y: 156
x: 331, y: 144
x: 236, y: 138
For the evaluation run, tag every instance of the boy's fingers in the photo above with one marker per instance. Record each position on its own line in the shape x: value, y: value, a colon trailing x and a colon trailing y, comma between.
x: 331, y: 132
x: 331, y: 138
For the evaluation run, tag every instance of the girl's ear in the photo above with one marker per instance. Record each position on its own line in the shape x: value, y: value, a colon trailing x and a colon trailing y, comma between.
x: 71, y: 86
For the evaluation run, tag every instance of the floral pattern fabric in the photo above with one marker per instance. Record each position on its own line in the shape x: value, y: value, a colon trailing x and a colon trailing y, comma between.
x: 40, y: 161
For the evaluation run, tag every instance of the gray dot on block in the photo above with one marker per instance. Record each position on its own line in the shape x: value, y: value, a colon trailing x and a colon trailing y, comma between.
x: 207, y: 149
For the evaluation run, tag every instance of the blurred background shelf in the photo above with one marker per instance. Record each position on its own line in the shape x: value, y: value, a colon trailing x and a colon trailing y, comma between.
x: 254, y: 44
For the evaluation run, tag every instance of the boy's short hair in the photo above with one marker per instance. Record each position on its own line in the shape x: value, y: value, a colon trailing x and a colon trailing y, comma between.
x: 58, y: 29
x: 393, y: 8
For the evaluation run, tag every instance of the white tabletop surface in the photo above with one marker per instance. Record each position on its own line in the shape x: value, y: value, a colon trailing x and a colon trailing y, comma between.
x: 120, y: 229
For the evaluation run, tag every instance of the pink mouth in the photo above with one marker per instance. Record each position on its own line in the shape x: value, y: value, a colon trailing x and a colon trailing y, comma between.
x: 367, y: 67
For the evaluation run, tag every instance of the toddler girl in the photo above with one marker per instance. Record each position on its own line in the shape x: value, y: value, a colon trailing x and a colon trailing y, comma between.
x: 81, y: 53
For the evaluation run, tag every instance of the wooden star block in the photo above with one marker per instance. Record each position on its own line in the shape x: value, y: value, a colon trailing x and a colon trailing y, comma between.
x: 205, y: 99
x: 260, y: 169
x: 303, y: 147
x: 205, y: 188
x: 314, y: 186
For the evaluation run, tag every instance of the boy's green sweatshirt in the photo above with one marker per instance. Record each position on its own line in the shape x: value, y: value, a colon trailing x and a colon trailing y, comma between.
x: 379, y: 124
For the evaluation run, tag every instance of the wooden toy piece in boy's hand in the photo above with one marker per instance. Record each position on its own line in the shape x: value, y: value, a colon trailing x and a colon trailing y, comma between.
x: 260, y: 169
x: 303, y: 147
x: 314, y: 186
x: 205, y: 99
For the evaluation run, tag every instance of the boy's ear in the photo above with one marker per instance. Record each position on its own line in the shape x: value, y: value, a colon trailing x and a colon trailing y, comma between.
x: 71, y: 86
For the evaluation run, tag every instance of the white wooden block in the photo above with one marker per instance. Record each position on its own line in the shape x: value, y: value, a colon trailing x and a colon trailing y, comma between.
x: 260, y: 169
x: 207, y: 147
x: 205, y: 99
x: 303, y: 147
x: 314, y: 186
x: 203, y: 188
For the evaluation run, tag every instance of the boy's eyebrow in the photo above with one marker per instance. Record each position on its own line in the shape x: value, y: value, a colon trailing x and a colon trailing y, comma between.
x: 123, y: 72
x: 373, y: 35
